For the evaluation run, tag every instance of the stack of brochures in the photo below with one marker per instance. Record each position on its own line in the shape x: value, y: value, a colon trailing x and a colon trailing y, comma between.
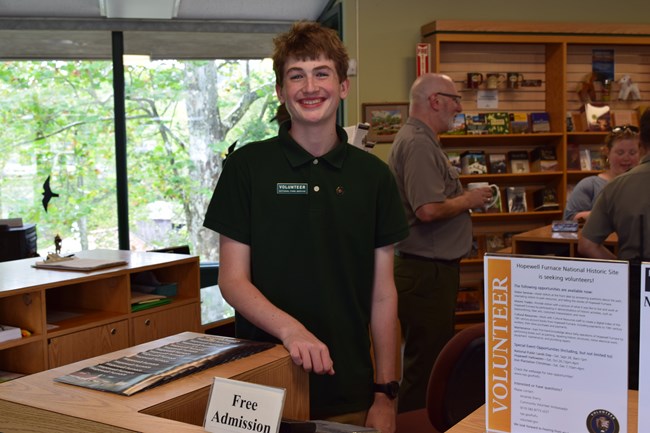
x: 9, y: 333
x: 142, y: 301
x: 154, y: 367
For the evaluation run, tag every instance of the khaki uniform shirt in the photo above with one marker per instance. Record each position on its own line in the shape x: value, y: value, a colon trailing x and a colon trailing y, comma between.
x: 425, y: 175
x: 619, y: 208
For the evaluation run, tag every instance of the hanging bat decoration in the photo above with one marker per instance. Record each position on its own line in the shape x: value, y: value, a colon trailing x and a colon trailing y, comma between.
x: 47, y: 193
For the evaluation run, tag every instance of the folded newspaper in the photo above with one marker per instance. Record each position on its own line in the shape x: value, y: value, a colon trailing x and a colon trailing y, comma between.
x: 151, y: 368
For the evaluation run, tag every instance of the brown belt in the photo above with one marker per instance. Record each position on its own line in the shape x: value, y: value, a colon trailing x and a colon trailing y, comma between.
x: 453, y: 263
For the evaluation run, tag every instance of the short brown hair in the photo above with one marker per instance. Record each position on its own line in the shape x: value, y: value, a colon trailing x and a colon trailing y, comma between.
x: 308, y: 40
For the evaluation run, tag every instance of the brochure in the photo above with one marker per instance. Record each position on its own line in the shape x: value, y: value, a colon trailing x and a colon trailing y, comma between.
x: 154, y: 367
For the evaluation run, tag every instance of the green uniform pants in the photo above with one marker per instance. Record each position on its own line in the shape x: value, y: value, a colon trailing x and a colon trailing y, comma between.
x: 427, y: 293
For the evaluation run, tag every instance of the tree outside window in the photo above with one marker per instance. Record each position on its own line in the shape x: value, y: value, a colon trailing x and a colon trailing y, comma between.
x: 182, y: 116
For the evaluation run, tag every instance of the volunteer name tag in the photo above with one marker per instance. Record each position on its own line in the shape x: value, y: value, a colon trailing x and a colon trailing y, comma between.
x: 291, y: 188
x: 241, y: 407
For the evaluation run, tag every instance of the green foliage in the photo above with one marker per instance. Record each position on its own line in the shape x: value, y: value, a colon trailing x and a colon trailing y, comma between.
x: 57, y: 119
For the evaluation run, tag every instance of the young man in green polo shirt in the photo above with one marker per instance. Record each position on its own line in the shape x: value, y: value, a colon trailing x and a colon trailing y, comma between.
x: 307, y: 225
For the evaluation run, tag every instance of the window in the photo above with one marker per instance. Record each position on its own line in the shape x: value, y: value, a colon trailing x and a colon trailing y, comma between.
x: 57, y: 122
x: 181, y: 116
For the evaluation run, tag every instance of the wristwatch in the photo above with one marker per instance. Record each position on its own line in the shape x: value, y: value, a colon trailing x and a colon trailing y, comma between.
x: 390, y: 389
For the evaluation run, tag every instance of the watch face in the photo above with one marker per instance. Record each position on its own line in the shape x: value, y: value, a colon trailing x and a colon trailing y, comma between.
x: 393, y: 389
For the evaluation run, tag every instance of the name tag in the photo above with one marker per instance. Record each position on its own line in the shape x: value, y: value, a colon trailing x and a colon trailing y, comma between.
x: 291, y: 188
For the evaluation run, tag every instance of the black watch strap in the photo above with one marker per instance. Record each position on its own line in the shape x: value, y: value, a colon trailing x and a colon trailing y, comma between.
x: 391, y: 389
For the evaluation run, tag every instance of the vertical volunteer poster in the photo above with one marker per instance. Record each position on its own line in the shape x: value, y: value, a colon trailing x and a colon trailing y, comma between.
x: 644, y: 351
x: 556, y: 345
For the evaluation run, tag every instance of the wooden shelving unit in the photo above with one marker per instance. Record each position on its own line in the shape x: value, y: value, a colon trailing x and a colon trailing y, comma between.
x: 90, y: 312
x: 558, y: 55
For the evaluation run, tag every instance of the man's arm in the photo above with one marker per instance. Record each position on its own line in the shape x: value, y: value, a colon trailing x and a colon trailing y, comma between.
x: 588, y: 248
x: 596, y: 229
x: 238, y: 290
x: 383, y: 328
x: 451, y: 207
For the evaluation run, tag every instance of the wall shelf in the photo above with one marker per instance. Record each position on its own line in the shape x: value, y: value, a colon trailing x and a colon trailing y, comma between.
x: 557, y: 55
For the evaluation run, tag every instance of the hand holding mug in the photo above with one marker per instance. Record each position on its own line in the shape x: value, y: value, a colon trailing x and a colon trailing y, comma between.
x: 488, y: 194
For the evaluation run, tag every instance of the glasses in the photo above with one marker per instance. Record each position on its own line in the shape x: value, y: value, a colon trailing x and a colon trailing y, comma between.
x: 456, y: 98
x: 625, y: 128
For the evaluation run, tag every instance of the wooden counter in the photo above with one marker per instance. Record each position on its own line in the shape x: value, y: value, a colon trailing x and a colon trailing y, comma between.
x: 36, y: 403
x: 77, y: 315
x: 542, y: 241
x: 475, y: 422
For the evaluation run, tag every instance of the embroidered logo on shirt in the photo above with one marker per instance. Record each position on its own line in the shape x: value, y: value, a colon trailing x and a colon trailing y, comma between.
x: 291, y: 188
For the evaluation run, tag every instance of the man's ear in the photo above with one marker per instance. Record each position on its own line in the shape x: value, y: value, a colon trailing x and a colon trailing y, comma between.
x: 344, y: 88
x: 278, y: 93
x: 433, y: 102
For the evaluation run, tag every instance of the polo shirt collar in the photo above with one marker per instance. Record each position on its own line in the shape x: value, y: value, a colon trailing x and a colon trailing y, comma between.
x: 645, y: 159
x: 298, y: 156
x: 417, y: 123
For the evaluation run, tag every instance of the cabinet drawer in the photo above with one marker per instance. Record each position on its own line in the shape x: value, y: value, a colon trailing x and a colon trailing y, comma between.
x: 154, y: 325
x: 88, y: 343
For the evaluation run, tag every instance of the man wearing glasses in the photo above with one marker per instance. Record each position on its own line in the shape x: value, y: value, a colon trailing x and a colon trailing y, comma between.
x: 427, y: 272
x: 623, y: 207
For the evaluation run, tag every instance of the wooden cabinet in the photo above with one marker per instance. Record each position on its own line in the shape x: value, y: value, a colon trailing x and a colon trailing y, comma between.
x: 77, y: 315
x: 87, y: 343
x: 152, y: 324
x: 553, y: 59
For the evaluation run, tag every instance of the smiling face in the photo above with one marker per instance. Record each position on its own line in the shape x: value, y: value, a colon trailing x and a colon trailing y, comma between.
x: 311, y: 91
x: 623, y: 155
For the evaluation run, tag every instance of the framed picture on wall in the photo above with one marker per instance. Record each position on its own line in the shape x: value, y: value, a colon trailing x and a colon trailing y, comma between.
x: 385, y: 120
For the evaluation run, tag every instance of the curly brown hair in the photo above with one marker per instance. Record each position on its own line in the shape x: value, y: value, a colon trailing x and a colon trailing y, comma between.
x: 308, y: 40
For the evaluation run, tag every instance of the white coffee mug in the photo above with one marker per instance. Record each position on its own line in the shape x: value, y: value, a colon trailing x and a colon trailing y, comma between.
x: 496, y: 193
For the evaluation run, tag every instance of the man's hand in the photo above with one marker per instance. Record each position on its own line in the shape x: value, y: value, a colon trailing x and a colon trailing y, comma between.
x: 237, y: 288
x: 581, y: 217
x: 308, y: 351
x: 382, y: 414
x: 479, y: 197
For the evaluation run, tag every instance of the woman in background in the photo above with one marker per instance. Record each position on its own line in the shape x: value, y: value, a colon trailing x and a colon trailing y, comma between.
x: 621, y: 152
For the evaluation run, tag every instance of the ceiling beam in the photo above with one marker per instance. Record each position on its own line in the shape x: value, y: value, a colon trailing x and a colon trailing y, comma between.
x: 194, y: 26
x: 139, y: 9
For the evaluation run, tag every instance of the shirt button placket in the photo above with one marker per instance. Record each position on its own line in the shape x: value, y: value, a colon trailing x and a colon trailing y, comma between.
x: 316, y: 187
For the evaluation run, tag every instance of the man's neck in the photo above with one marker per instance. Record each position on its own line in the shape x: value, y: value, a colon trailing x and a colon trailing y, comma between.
x: 427, y: 120
x: 315, y: 139
x: 428, y: 124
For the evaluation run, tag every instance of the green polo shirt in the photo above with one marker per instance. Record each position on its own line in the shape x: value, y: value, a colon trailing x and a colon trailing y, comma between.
x: 313, y: 225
